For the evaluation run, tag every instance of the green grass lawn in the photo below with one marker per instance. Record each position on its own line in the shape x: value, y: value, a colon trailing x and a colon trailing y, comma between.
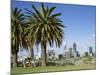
x: 21, y: 70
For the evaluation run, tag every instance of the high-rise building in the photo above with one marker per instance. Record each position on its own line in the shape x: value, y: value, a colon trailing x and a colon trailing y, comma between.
x: 86, y: 54
x: 66, y: 51
x: 78, y: 55
x: 90, y: 50
x: 65, y: 47
x: 71, y: 52
x: 67, y: 54
x: 74, y: 47
x: 51, y: 54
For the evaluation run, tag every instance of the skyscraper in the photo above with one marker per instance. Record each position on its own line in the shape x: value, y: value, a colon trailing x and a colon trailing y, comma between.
x: 90, y: 50
x: 67, y: 53
x: 65, y: 47
x: 71, y: 52
x: 74, y: 47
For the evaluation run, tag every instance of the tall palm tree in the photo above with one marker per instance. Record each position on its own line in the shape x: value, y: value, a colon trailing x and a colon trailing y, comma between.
x: 45, y: 27
x: 17, y: 20
x: 27, y: 41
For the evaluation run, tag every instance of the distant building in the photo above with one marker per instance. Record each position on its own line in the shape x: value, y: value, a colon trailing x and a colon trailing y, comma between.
x: 78, y: 55
x: 60, y: 56
x: 71, y: 52
x: 74, y: 47
x: 51, y: 54
x: 86, y: 54
x: 67, y: 52
x: 90, y: 51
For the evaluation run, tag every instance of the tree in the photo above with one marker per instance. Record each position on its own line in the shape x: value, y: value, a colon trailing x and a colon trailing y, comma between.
x: 45, y: 27
x: 28, y: 41
x: 17, y: 21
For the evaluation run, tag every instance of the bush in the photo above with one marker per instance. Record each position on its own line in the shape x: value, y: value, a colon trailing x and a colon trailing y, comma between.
x: 20, y: 64
x: 37, y: 63
x: 51, y: 63
x: 69, y: 62
x: 61, y: 63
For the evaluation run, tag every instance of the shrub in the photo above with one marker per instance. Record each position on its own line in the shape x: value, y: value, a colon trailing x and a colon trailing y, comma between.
x: 20, y: 64
x: 51, y: 63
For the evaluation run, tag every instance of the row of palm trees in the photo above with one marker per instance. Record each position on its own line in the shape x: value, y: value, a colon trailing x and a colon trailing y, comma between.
x: 39, y: 26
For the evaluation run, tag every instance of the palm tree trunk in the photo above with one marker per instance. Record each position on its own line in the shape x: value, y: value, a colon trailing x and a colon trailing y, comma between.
x: 32, y: 57
x: 15, y: 54
x: 43, y: 55
x: 32, y: 53
x: 15, y: 59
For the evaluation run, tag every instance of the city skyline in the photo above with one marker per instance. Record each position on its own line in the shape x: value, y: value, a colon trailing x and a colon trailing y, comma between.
x: 79, y: 21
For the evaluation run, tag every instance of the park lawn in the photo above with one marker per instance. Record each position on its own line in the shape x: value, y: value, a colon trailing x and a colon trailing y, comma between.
x: 28, y: 70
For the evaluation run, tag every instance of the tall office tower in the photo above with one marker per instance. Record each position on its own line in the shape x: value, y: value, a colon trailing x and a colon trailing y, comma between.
x: 77, y: 54
x: 74, y: 47
x: 90, y: 50
x: 66, y: 52
x: 65, y: 48
x: 64, y: 45
x: 71, y: 52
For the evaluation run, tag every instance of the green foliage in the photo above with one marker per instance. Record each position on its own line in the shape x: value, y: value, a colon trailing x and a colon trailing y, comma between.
x: 17, y: 21
x: 60, y: 62
x: 45, y: 26
x: 36, y: 28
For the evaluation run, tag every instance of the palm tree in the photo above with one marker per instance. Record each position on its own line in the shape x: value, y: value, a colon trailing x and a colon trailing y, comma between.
x: 17, y: 20
x: 45, y: 27
x: 27, y: 41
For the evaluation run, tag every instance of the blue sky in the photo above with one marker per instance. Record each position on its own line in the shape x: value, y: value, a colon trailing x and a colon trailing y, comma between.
x: 78, y: 19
